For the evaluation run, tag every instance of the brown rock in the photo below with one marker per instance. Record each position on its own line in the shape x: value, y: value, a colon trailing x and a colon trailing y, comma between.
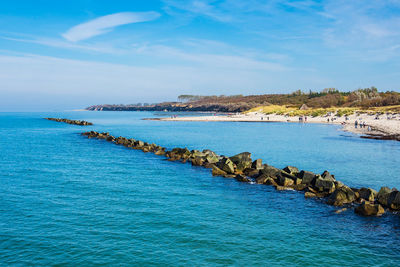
x: 270, y: 181
x: 217, y: 171
x: 242, y: 178
x: 368, y: 209
x: 367, y: 194
x: 309, y: 195
x: 342, y: 195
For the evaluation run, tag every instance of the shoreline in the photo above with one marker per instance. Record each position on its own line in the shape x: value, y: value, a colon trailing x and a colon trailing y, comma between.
x: 374, y: 126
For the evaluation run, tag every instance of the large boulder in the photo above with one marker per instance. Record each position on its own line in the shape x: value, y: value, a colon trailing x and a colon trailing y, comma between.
x: 242, y: 178
x: 288, y: 175
x: 251, y: 172
x: 368, y: 209
x: 196, y: 153
x: 284, y: 181
x: 270, y: 181
x: 342, y: 195
x: 307, y: 177
x: 325, y: 185
x: 197, y: 161
x: 211, y: 158
x: 217, y: 171
x: 267, y: 172
x: 309, y: 195
x: 226, y: 165
x: 291, y: 170
x: 121, y: 141
x: 327, y: 176
x: 181, y: 151
x: 159, y: 152
x: 383, y: 196
x: 139, y: 143
x: 367, y: 193
x: 209, y: 152
x: 257, y: 164
x: 394, y: 200
x: 242, y: 161
x: 270, y: 171
x: 261, y: 179
x: 338, y: 184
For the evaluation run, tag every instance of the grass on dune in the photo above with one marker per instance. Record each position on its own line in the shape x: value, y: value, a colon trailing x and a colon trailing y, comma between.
x: 314, y: 112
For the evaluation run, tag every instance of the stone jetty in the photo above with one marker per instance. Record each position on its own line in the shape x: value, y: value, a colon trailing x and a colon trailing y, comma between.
x: 75, y: 122
x: 364, y: 201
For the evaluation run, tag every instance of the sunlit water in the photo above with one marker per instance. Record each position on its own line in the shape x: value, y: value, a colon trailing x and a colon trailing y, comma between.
x: 65, y: 199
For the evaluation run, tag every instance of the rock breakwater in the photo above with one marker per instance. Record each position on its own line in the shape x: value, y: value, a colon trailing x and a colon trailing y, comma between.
x: 364, y: 201
x: 74, y: 122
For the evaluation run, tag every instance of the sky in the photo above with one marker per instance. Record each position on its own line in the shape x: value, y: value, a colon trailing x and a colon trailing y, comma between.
x: 62, y: 55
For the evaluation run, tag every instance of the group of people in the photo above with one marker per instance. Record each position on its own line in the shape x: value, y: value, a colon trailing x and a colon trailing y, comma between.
x: 303, y: 119
x: 361, y: 124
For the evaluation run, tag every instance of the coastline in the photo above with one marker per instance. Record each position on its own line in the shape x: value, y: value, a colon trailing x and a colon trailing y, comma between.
x: 376, y: 126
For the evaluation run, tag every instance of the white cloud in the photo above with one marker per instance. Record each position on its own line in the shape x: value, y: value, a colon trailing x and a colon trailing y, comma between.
x: 103, y: 48
x: 105, y: 24
x: 199, y: 7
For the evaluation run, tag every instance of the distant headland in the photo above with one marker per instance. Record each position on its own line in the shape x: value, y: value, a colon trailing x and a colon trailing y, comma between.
x: 374, y: 114
x: 365, y: 99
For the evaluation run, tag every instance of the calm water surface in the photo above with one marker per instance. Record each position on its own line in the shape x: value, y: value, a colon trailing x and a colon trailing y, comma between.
x: 68, y: 200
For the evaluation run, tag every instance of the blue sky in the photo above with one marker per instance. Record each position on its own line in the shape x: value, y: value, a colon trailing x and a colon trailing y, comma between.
x: 70, y: 54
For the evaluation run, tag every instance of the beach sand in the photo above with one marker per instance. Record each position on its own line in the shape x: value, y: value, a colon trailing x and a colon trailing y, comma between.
x: 386, y: 125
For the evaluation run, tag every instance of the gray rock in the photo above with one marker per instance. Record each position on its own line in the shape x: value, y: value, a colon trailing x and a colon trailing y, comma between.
x: 383, y: 196
x: 368, y: 209
x: 270, y: 171
x: 367, y: 194
x: 307, y: 177
x: 242, y: 160
x: 217, y: 171
x: 284, y: 181
x: 327, y: 176
x: 226, y: 165
x: 257, y: 164
x: 326, y: 185
x: 342, y: 195
x: 242, y: 178
x: 394, y: 200
x: 291, y: 170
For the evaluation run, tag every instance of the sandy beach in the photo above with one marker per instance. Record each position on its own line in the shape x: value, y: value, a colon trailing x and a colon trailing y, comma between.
x: 380, y: 125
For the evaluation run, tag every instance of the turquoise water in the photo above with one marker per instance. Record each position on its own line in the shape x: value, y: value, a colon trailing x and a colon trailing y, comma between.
x: 68, y: 200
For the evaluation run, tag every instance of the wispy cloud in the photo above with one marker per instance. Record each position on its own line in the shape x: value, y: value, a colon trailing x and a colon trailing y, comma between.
x: 199, y: 7
x: 64, y: 44
x: 107, y: 23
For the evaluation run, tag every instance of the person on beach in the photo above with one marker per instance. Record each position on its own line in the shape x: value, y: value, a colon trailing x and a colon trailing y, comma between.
x: 355, y: 124
x: 327, y: 120
x: 305, y: 118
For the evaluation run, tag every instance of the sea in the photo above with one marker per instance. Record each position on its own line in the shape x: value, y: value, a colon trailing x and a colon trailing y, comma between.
x: 66, y: 200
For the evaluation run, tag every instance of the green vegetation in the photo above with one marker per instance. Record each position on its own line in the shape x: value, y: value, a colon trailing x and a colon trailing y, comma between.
x: 312, y: 112
x: 327, y: 98
x: 317, y: 103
